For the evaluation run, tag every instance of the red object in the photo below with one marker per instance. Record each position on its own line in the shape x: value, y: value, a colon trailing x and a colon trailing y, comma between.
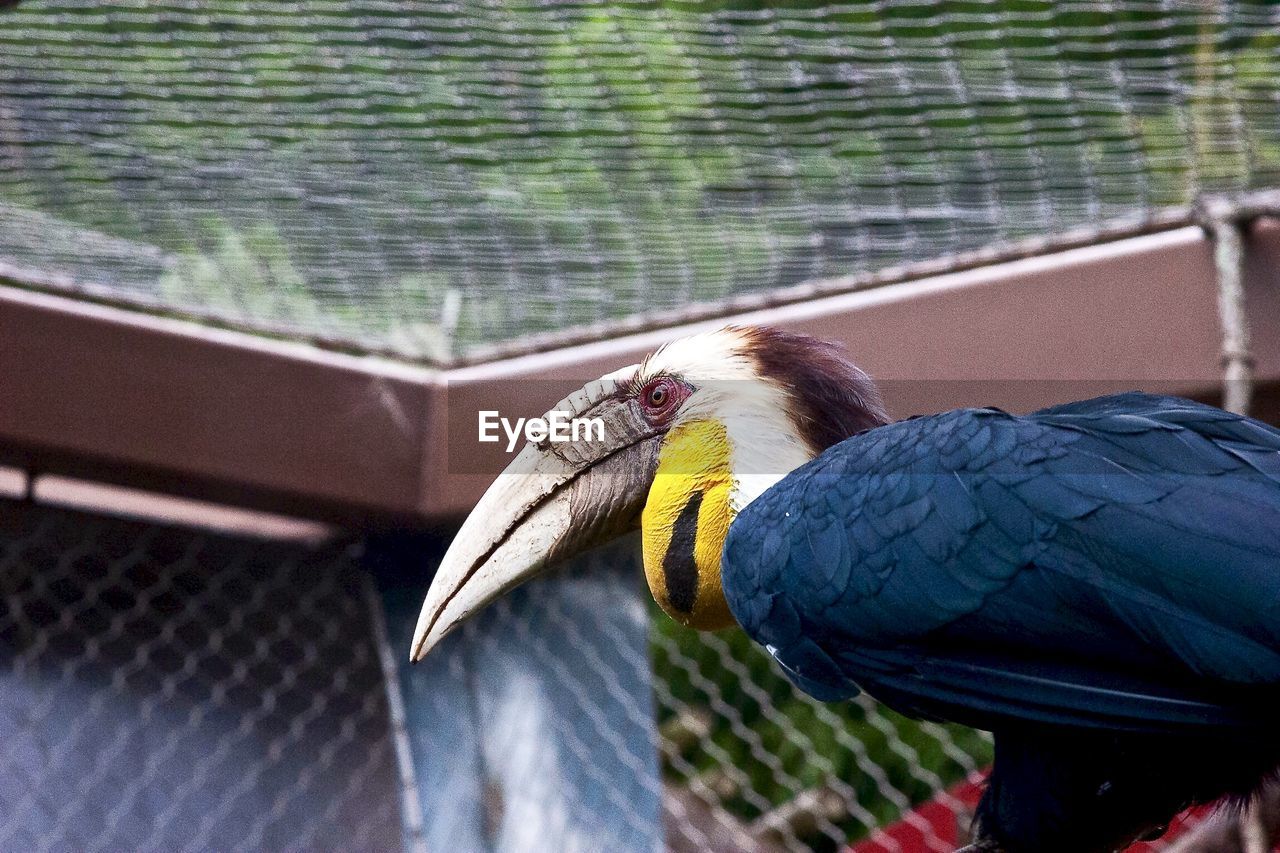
x: 936, y: 826
x: 941, y: 824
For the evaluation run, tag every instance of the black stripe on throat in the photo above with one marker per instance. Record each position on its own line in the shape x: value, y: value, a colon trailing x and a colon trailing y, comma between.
x: 679, y: 569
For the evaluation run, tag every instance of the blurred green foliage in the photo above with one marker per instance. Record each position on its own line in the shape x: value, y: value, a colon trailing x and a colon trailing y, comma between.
x: 783, y: 742
x: 553, y: 164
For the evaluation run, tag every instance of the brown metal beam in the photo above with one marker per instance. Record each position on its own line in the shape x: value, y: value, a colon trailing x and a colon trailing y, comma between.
x: 107, y: 394
x: 100, y: 392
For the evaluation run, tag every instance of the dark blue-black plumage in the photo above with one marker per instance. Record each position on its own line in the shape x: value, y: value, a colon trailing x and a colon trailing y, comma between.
x: 1101, y: 568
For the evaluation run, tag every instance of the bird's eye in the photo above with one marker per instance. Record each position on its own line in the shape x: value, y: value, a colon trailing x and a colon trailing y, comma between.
x: 661, y: 396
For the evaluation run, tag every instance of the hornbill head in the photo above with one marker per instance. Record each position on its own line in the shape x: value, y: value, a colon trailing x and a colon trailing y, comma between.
x: 690, y: 436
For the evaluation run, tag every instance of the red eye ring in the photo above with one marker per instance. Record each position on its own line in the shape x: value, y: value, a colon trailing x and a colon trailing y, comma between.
x: 661, y: 395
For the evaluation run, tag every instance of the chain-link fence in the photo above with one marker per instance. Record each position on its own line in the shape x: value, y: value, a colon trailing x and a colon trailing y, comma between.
x: 779, y: 770
x: 429, y: 178
x: 167, y: 689
x: 176, y: 689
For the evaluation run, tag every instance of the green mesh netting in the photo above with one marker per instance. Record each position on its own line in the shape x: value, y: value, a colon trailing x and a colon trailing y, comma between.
x: 428, y: 178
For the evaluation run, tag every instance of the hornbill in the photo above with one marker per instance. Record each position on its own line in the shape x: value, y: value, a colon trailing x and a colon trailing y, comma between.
x: 1097, y: 583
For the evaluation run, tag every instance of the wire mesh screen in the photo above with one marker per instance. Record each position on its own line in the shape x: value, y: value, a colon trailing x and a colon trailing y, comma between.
x: 171, y: 690
x: 552, y: 685
x: 174, y: 689
x: 766, y: 767
x: 428, y: 178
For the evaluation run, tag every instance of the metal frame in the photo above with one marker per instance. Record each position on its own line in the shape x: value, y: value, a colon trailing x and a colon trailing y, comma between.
x: 101, y: 392
x: 1164, y: 219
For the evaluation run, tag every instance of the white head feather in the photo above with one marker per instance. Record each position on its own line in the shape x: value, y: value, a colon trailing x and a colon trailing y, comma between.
x: 729, y: 388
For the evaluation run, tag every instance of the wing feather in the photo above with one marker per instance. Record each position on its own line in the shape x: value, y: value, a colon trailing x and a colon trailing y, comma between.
x: 1108, y: 562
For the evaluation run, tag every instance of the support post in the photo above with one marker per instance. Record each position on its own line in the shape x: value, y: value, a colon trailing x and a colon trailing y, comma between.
x: 410, y: 806
x: 1225, y: 219
x: 1237, y: 362
x: 532, y: 727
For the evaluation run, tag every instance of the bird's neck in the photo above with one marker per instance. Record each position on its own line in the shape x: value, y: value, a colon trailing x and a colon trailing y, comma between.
x: 706, y: 474
x: 685, y: 522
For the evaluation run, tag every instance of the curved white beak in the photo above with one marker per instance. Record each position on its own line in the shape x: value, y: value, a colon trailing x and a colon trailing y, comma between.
x: 555, y: 500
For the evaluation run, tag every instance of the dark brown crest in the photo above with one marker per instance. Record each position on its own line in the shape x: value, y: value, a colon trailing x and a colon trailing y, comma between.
x: 832, y: 398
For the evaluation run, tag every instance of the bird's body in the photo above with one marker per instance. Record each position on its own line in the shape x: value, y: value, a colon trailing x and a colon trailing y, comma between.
x: 1097, y: 583
x: 1102, y: 564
